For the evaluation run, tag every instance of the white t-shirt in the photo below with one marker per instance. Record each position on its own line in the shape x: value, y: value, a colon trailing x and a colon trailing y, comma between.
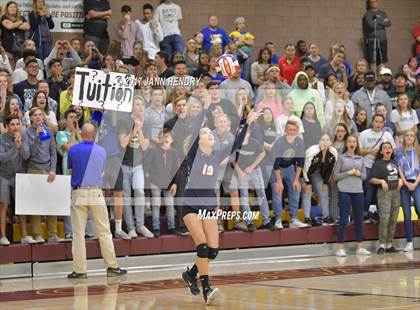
x: 370, y: 139
x: 281, y: 121
x: 406, y: 120
x: 149, y: 44
x: 20, y: 75
x: 168, y: 16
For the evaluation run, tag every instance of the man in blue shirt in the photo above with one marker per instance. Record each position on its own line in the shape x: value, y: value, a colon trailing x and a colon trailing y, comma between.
x: 86, y: 161
x: 214, y: 35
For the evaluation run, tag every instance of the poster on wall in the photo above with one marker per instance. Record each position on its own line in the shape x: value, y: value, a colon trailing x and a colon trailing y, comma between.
x: 106, y: 91
x: 67, y: 14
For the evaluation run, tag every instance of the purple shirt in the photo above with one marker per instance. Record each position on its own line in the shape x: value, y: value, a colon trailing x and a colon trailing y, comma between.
x: 87, y: 161
x: 133, y: 36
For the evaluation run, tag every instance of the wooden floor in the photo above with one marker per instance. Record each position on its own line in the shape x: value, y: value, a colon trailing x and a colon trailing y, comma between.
x: 379, y: 282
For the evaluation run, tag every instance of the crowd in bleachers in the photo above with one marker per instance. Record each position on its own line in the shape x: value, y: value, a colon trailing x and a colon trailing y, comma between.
x: 331, y: 136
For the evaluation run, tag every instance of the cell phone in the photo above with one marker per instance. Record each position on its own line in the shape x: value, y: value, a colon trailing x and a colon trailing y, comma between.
x: 94, y: 50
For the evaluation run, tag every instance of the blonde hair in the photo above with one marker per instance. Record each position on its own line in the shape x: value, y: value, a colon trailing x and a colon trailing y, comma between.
x: 416, y: 144
x: 18, y: 15
x: 408, y: 106
x: 346, y: 95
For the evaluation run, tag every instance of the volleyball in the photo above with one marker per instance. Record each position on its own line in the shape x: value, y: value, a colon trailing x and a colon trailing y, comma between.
x: 227, y: 65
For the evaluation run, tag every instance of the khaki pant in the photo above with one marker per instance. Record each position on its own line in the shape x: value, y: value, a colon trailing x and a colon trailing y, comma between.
x: 84, y: 200
x: 36, y: 219
x: 388, y: 209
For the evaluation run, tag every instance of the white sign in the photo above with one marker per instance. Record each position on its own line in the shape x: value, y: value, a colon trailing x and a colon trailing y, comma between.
x: 35, y: 196
x: 67, y: 15
x: 109, y: 91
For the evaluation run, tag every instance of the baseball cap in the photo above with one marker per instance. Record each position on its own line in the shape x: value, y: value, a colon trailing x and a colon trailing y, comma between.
x: 385, y: 71
x: 370, y: 76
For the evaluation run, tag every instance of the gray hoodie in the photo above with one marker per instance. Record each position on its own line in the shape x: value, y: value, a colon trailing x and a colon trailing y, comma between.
x: 12, y: 159
x: 43, y: 154
x: 345, y: 182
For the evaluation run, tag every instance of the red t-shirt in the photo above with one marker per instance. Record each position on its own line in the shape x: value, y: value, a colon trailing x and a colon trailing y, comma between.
x: 289, y: 70
x: 416, y: 33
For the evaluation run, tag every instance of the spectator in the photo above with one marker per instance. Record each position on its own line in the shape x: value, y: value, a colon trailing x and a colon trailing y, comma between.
x: 247, y: 168
x: 274, y: 58
x: 14, y: 150
x: 317, y: 171
x: 389, y: 125
x: 66, y: 96
x: 404, y: 118
x: 6, y: 91
x: 29, y: 45
x: 407, y: 156
x: 215, y: 75
x: 11, y: 107
x: 401, y: 87
x: 13, y: 28
x: 226, y: 107
x: 287, y: 115
x: 232, y: 84
x: 141, y: 56
x: 134, y: 135
x: 362, y: 67
x: 340, y: 116
x: 386, y: 81
x: 385, y: 174
x: 301, y: 49
x: 128, y: 31
x: 272, y: 74
x: 20, y: 74
x: 340, y: 93
x: 311, y: 126
x: 97, y: 13
x: 162, y: 62
x: 350, y: 173
x: 41, y: 22
x: 329, y: 83
x: 65, y: 139
x: 150, y: 31
x: 26, y: 89
x: 60, y: 52
x: 370, y: 95
x: 164, y: 163
x: 243, y: 104
x: 57, y: 81
x: 302, y: 93
x: 92, y: 56
x: 244, y: 40
x: 50, y: 120
x: 360, y: 118
x: 4, y: 60
x: 374, y: 24
x: 314, y: 82
x: 52, y: 104
x: 336, y: 66
x: 290, y: 63
x: 199, y: 39
x: 271, y: 99
x: 42, y: 160
x: 169, y: 14
x: 288, y: 167
x: 76, y: 45
x: 370, y: 141
x: 314, y: 58
x: 258, y: 67
x: 416, y: 102
x: 191, y: 56
x: 203, y: 65
x: 154, y: 115
x: 214, y: 35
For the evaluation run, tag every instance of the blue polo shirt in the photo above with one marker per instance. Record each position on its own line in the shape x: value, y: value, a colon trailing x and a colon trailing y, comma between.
x: 87, y: 161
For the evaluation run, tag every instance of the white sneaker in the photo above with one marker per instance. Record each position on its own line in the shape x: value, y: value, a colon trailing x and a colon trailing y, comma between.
x: 341, y: 253
x: 295, y: 223
x: 278, y: 224
x: 132, y: 233
x: 120, y: 234
x: 4, y: 241
x: 55, y: 239
x: 362, y: 251
x: 39, y: 239
x: 409, y: 247
x: 28, y: 240
x: 144, y: 232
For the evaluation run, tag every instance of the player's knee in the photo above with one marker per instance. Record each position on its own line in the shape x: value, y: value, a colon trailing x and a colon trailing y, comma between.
x: 213, y: 253
x: 203, y: 250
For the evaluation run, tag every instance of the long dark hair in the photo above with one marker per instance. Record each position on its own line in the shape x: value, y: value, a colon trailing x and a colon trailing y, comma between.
x: 379, y: 156
x: 261, y: 52
x: 303, y: 110
x: 345, y: 127
x: 357, y: 150
x: 261, y: 119
x: 35, y: 101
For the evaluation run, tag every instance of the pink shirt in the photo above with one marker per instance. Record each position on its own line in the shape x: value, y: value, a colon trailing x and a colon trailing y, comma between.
x: 276, y: 108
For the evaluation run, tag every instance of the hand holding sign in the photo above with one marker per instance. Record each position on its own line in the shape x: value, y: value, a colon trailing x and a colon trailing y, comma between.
x: 97, y: 89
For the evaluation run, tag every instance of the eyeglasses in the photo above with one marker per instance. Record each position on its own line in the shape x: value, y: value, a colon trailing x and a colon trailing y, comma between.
x: 33, y: 66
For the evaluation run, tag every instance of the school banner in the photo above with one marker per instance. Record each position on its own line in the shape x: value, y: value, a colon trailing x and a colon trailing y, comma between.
x: 35, y: 196
x: 67, y: 15
x: 106, y: 91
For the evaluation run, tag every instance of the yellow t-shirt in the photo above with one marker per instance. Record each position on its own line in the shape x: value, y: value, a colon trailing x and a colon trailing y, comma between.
x: 66, y: 103
x: 236, y: 35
